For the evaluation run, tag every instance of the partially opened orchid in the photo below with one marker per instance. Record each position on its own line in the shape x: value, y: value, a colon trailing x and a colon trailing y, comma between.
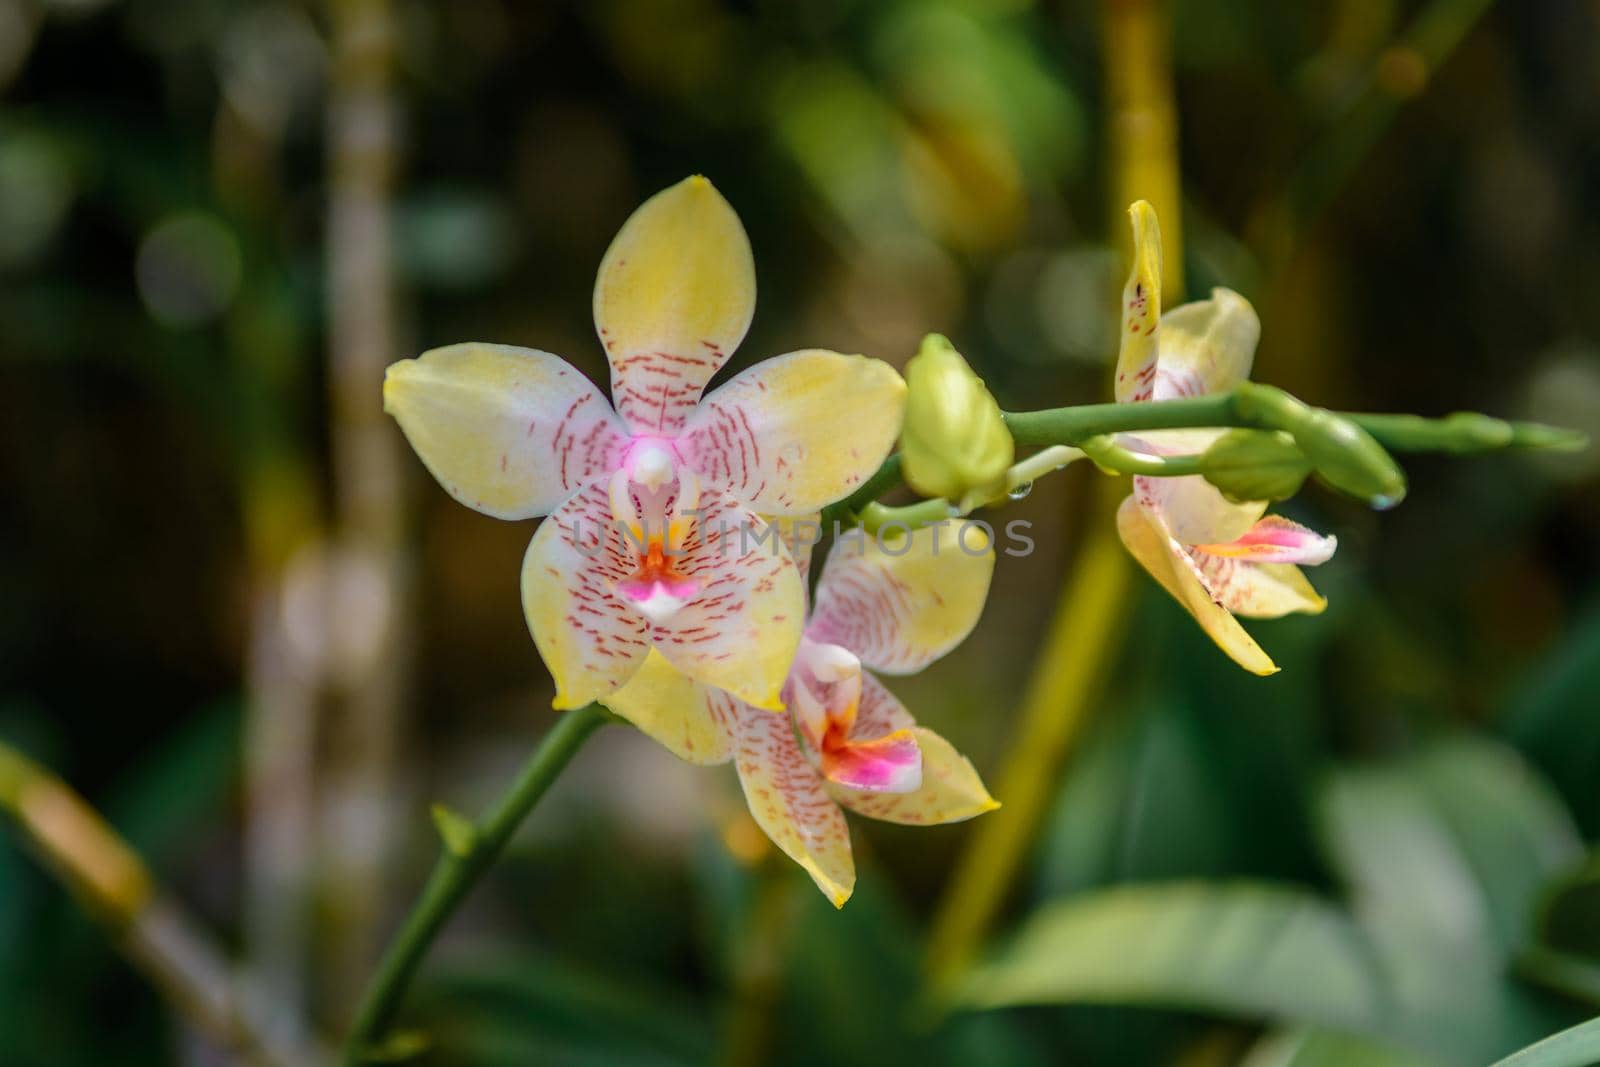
x: 656, y: 544
x: 895, y: 603
x: 1217, y: 557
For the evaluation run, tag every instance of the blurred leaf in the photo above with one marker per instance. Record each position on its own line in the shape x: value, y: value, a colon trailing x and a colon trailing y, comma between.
x: 1445, y: 855
x: 1142, y: 803
x: 1452, y: 847
x: 534, y: 1005
x: 176, y: 787
x: 1552, y: 718
x: 1570, y: 916
x: 1324, y: 1048
x: 1251, y: 950
x: 1577, y: 1047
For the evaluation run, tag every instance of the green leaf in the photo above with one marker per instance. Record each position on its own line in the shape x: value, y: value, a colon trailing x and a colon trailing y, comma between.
x: 1577, y: 1047
x: 1254, y: 951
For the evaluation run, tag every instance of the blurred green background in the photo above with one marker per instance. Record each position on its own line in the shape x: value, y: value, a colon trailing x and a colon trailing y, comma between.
x: 225, y: 621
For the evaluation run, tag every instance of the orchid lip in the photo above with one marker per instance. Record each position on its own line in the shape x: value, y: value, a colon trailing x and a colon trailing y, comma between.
x: 657, y: 599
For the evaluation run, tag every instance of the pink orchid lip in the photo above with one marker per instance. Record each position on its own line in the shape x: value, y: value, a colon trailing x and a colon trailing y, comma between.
x: 656, y: 590
x: 1277, y: 540
x: 890, y: 764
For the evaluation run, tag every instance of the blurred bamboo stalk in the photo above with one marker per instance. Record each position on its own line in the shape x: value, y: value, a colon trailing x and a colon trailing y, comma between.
x: 369, y: 589
x: 1096, y: 599
x: 152, y: 931
x: 285, y: 544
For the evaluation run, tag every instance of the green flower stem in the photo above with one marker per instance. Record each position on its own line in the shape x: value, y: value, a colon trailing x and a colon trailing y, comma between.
x: 875, y: 516
x: 1114, y: 459
x: 470, y: 849
x: 1466, y: 433
x: 1328, y: 436
x: 1263, y: 407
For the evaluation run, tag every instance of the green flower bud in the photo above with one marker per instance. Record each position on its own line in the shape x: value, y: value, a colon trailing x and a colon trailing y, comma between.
x: 954, y: 441
x: 1342, y: 453
x: 1255, y: 465
x: 1347, y: 458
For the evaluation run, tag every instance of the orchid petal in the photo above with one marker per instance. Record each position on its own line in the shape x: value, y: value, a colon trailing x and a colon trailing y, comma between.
x: 692, y: 721
x: 591, y: 641
x: 1258, y: 590
x: 508, y: 431
x: 797, y: 432
x: 673, y: 299
x: 888, y: 764
x: 950, y: 791
x: 1141, y: 309
x: 901, y: 600
x: 788, y: 801
x: 740, y: 630
x: 1150, y: 542
x: 799, y: 534
x: 1207, y: 346
x: 1275, y: 539
x: 879, y: 713
x: 1195, y: 511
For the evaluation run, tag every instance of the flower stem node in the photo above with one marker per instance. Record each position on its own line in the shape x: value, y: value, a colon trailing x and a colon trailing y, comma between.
x: 954, y: 441
x: 1255, y: 465
x: 456, y: 830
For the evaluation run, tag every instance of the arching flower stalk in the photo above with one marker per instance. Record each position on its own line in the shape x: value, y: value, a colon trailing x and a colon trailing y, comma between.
x: 656, y: 540
x: 1218, y: 558
x: 893, y: 603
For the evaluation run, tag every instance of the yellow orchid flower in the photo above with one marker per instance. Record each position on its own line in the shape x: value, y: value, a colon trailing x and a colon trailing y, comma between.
x: 655, y: 544
x: 891, y: 603
x: 1217, y: 558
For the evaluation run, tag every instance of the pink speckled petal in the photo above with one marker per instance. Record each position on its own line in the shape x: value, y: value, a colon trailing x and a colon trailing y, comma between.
x: 692, y: 721
x: 1194, y: 510
x: 1257, y: 590
x: 788, y: 801
x: 1141, y: 309
x: 1184, y: 576
x: 879, y: 713
x: 900, y: 601
x: 674, y: 296
x: 797, y: 432
x: 1207, y: 346
x: 591, y: 641
x: 510, y: 432
x: 740, y: 631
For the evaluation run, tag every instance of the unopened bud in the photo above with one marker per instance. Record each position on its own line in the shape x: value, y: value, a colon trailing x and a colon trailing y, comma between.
x: 954, y: 441
x: 1342, y: 453
x: 1255, y: 465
